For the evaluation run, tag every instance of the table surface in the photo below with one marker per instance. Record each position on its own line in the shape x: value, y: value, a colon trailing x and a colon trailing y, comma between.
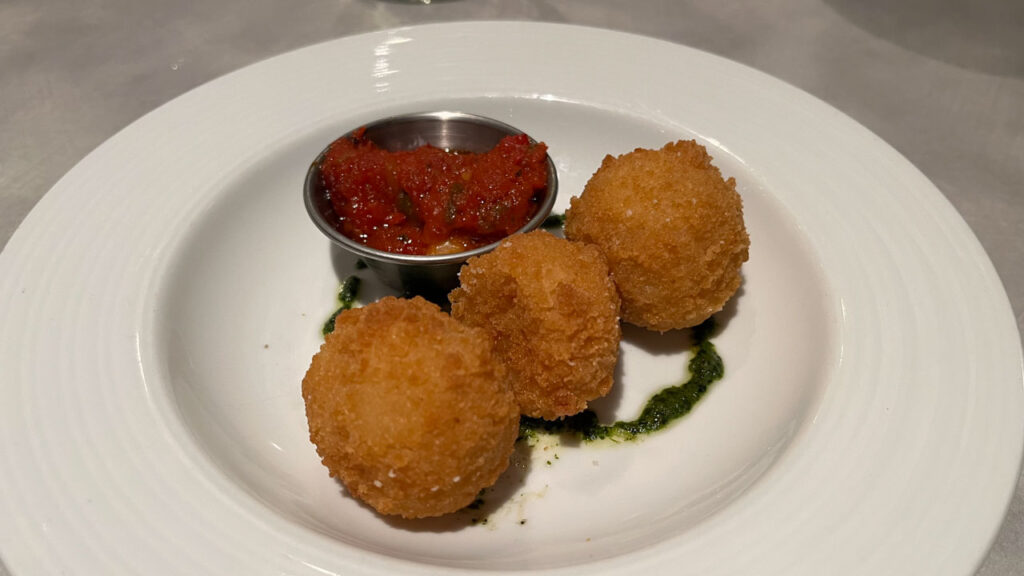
x: 941, y: 81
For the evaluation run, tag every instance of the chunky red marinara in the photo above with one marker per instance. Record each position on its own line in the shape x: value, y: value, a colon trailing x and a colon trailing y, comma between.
x: 430, y: 200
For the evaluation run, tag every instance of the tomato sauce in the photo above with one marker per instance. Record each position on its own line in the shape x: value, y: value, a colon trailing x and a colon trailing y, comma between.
x: 430, y: 200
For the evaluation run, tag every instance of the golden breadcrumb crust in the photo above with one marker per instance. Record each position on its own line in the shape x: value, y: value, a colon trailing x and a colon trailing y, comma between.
x: 554, y: 315
x: 410, y: 409
x: 672, y: 230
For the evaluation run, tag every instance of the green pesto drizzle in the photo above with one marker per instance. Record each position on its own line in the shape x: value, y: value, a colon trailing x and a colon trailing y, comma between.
x: 554, y: 221
x: 347, y: 295
x: 663, y: 408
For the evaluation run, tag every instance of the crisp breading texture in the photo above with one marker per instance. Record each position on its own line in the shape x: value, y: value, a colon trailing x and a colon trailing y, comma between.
x: 410, y: 409
x: 554, y: 315
x: 672, y: 230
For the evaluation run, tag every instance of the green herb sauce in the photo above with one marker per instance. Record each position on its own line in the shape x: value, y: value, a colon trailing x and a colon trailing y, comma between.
x: 663, y: 408
x: 554, y: 221
x: 347, y: 295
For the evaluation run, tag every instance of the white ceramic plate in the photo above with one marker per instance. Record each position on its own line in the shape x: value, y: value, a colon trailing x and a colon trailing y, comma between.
x: 161, y: 303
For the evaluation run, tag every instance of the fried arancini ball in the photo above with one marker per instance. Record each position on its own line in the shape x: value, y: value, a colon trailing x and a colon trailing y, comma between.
x: 410, y: 409
x: 672, y: 230
x: 554, y: 315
